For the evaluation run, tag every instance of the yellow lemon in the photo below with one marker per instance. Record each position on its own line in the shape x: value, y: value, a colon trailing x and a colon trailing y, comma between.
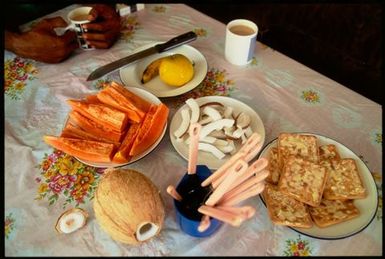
x: 176, y: 70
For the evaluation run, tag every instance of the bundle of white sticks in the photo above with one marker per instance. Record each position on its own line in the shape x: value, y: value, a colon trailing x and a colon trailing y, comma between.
x: 232, y: 183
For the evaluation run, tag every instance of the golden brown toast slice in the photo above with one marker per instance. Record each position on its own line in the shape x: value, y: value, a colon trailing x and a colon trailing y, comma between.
x: 333, y: 212
x: 303, y: 180
x: 273, y: 167
x: 294, y: 144
x: 329, y: 152
x: 284, y: 210
x: 344, y: 181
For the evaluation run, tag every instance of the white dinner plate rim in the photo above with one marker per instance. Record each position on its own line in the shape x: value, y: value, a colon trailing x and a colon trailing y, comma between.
x: 210, y: 163
x: 153, y: 99
x: 131, y: 78
x: 368, y: 175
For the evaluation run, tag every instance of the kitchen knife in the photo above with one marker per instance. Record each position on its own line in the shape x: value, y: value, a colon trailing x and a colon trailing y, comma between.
x: 158, y: 48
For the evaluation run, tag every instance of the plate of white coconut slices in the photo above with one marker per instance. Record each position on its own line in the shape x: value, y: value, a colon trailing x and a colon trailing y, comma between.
x: 227, y: 123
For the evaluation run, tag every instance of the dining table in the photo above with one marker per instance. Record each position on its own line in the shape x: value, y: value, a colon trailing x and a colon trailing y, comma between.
x: 41, y: 183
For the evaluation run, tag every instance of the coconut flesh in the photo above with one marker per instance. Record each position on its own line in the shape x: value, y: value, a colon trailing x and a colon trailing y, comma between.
x: 128, y: 206
x: 71, y: 220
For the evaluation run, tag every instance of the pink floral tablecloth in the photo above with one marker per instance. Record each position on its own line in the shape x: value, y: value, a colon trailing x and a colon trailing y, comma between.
x: 41, y: 183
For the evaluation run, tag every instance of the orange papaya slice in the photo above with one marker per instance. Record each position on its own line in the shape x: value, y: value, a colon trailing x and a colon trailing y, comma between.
x: 94, y: 151
x: 93, y: 99
x: 151, y: 129
x: 71, y: 130
x: 139, y: 102
x: 133, y: 114
x: 95, y: 127
x: 109, y: 116
x: 123, y: 153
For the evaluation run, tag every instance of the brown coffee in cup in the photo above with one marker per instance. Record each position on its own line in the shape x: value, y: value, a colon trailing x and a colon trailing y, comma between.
x: 241, y: 30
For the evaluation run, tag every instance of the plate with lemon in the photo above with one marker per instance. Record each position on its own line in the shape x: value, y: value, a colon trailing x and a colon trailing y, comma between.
x: 167, y: 74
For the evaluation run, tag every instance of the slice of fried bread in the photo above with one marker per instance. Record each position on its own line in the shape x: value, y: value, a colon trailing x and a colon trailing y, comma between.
x: 273, y: 166
x: 303, y: 180
x: 284, y: 210
x: 344, y: 181
x: 329, y: 152
x: 333, y: 212
x: 301, y: 145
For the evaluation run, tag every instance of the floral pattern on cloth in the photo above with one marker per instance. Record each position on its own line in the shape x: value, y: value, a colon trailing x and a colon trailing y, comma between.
x: 215, y: 83
x: 297, y: 247
x: 310, y: 96
x: 376, y: 137
x: 63, y: 175
x: 129, y: 25
x: 17, y: 73
x: 9, y: 225
x: 159, y: 9
x: 200, y: 32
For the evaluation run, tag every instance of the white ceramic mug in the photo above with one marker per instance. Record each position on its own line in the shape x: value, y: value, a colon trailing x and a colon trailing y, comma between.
x: 241, y: 36
x: 77, y: 18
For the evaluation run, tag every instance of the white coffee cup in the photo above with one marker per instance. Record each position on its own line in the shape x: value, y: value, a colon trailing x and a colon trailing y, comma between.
x: 241, y: 36
x: 77, y: 18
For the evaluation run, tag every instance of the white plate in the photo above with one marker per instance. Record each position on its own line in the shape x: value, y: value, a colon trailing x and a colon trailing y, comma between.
x: 206, y: 158
x: 367, y: 206
x: 150, y: 98
x: 132, y: 74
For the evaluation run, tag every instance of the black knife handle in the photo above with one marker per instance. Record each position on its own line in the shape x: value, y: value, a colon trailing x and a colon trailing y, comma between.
x: 177, y: 41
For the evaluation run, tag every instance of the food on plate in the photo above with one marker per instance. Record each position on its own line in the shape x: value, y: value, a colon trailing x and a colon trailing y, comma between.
x: 151, y: 71
x: 223, y: 128
x: 112, y: 118
x: 301, y: 145
x: 323, y: 181
x: 111, y: 126
x: 71, y: 220
x: 344, y: 181
x: 329, y: 152
x: 174, y: 70
x: 303, y: 180
x: 128, y: 206
x: 273, y: 166
x: 119, y: 97
x: 285, y: 210
x: 151, y: 128
x: 94, y: 127
x: 332, y: 212
x: 84, y: 149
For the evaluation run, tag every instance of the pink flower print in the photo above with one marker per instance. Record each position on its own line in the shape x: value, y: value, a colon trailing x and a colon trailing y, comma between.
x: 301, y: 245
x: 296, y: 254
x: 60, y: 182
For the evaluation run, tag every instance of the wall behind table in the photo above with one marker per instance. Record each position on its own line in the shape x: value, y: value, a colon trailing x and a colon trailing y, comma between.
x: 341, y: 41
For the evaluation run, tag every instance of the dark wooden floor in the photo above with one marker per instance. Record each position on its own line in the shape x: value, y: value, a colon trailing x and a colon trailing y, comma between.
x: 342, y: 41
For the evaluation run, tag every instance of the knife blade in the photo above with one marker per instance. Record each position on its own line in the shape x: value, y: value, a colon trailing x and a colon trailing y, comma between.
x: 158, y: 48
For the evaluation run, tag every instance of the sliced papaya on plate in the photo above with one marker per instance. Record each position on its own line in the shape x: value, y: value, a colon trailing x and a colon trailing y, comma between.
x: 136, y: 100
x: 105, y: 115
x: 133, y: 114
x: 71, y: 130
x: 123, y: 153
x: 93, y: 98
x: 94, y: 151
x: 151, y: 129
x: 96, y: 128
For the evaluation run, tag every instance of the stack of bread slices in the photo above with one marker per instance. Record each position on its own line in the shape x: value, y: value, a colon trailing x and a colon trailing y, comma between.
x: 309, y: 183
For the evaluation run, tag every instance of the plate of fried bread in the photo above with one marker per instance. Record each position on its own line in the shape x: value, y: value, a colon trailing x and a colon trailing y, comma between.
x: 318, y: 187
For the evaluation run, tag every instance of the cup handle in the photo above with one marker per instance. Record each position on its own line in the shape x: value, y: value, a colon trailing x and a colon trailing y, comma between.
x: 61, y: 30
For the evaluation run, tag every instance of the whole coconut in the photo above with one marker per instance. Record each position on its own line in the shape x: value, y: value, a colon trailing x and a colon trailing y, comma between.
x: 128, y: 206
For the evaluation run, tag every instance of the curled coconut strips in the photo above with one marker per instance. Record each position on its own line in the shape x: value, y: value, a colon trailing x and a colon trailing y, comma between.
x: 71, y: 220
